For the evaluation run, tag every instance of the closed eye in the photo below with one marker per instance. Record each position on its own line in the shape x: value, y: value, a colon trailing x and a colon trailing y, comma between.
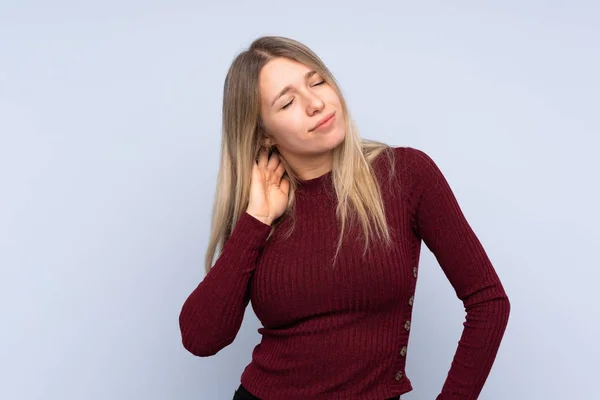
x: 287, y: 104
x: 292, y: 100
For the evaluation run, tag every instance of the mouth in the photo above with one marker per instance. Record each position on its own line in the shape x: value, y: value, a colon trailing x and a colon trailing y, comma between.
x: 323, y: 121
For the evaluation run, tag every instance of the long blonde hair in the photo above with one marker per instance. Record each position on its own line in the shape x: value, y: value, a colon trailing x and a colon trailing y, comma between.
x: 357, y: 191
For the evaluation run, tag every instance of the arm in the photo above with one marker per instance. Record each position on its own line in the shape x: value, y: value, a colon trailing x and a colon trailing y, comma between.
x: 443, y: 227
x: 212, y: 315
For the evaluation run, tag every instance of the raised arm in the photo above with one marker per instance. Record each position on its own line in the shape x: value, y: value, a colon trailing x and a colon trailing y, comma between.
x: 212, y: 314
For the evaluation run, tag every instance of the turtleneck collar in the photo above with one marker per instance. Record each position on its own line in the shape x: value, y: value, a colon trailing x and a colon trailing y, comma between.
x: 319, y: 185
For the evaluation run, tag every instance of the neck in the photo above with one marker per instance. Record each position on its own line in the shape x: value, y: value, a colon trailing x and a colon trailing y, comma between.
x: 310, y: 167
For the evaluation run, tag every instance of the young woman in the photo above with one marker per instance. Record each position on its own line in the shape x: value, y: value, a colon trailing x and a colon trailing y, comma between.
x: 322, y: 230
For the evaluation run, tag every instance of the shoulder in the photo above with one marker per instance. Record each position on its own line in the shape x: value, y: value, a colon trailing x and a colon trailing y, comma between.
x: 416, y: 173
x: 413, y: 164
x: 411, y: 155
x: 406, y: 165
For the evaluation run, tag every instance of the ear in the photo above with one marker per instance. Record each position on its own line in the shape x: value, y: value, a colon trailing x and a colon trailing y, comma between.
x: 268, y: 142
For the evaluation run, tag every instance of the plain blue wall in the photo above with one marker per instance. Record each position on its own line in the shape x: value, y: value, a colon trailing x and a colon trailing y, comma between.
x: 109, y: 146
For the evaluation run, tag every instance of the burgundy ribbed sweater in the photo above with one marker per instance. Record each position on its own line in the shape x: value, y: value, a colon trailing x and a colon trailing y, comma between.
x: 342, y: 333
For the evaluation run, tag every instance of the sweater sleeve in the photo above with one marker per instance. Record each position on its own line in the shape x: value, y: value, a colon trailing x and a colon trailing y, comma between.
x: 442, y: 226
x: 212, y: 314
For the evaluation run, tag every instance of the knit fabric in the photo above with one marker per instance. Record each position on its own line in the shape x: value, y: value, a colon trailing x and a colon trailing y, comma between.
x: 342, y: 332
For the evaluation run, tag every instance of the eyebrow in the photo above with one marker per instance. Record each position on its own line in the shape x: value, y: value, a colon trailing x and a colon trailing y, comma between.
x: 288, y: 87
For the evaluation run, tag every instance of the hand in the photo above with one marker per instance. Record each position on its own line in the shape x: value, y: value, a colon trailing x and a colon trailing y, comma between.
x: 268, y: 190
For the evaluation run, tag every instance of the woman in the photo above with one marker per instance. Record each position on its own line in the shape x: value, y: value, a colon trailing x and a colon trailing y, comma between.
x: 322, y: 230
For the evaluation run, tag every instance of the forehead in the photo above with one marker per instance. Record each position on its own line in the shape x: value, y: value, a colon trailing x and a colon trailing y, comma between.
x: 280, y: 72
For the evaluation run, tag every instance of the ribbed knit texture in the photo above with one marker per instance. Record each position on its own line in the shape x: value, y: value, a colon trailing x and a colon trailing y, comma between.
x: 341, y: 333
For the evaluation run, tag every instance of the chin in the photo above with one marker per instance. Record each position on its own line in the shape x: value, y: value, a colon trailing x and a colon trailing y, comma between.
x: 337, y: 137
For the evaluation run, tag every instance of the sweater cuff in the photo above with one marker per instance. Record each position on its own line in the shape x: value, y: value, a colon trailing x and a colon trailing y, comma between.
x: 249, y: 232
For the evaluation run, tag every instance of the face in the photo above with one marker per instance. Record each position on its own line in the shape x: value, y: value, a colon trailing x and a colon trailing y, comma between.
x: 301, y: 113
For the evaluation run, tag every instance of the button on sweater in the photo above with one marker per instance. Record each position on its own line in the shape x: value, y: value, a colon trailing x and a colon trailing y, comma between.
x: 341, y: 332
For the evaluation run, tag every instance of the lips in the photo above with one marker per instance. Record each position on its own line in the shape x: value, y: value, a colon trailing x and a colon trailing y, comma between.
x: 322, y: 121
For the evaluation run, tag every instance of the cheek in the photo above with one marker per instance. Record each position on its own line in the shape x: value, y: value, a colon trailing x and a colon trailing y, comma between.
x: 289, y: 126
x: 332, y: 97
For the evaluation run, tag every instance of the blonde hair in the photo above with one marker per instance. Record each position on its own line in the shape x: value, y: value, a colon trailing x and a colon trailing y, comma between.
x: 357, y: 191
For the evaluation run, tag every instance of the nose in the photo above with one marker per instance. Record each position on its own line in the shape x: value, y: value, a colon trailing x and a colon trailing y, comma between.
x: 314, y: 104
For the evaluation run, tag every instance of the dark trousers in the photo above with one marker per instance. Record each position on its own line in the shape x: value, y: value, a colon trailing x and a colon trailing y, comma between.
x: 242, y: 394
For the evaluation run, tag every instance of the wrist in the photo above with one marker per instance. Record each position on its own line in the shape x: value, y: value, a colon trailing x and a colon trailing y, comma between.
x: 264, y: 220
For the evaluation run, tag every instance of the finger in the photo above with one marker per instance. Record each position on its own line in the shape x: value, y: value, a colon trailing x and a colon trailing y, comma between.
x: 263, y: 158
x: 284, y: 185
x: 256, y: 175
x: 280, y: 170
x: 275, y: 177
x: 273, y: 162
